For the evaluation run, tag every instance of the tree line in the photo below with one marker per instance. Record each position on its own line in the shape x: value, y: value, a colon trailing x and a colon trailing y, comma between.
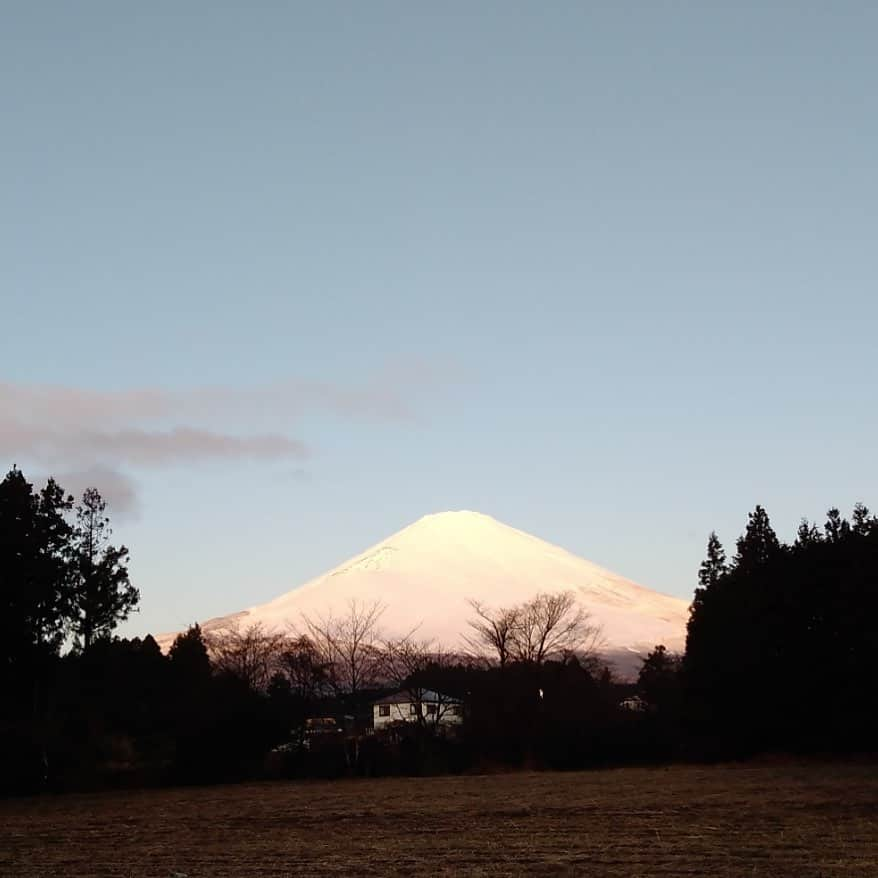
x: 61, y: 582
x: 781, y: 638
x: 777, y: 658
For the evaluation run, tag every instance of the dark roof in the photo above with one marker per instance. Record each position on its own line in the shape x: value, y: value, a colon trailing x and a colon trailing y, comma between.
x: 428, y: 696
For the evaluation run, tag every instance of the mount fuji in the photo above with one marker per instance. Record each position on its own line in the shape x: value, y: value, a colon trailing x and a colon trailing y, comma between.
x: 425, y: 574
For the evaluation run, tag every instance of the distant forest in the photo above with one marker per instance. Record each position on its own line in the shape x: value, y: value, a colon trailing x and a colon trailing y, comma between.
x: 778, y: 659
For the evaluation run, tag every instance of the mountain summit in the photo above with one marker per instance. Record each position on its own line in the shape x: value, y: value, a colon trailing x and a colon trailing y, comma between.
x: 425, y: 573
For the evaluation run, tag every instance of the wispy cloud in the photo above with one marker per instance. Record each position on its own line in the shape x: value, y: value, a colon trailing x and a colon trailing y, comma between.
x: 86, y: 433
x: 62, y: 406
x: 139, y: 447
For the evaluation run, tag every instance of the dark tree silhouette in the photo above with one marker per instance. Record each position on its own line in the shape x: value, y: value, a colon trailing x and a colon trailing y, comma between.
x: 34, y: 588
x: 836, y: 527
x: 779, y: 648
x: 759, y: 544
x: 548, y: 626
x: 658, y: 680
x: 103, y: 595
x: 779, y: 652
x: 493, y: 631
x: 251, y: 653
x: 807, y: 534
x: 305, y: 668
x: 34, y: 610
x: 863, y: 521
x: 713, y: 568
x: 189, y: 657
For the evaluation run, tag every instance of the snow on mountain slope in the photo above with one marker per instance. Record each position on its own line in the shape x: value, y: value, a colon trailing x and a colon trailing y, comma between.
x: 425, y: 573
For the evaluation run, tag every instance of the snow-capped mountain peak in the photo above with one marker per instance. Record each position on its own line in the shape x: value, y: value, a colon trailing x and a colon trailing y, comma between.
x: 426, y: 573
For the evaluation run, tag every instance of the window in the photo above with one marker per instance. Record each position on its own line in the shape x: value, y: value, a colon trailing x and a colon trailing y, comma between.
x: 413, y: 709
x: 431, y: 709
x: 456, y: 710
x: 383, y: 710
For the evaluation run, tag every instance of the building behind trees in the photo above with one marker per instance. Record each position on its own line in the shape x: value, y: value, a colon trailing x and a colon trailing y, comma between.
x: 778, y: 658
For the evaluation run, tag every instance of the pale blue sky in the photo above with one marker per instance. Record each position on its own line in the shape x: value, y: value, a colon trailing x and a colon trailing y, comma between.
x: 603, y: 271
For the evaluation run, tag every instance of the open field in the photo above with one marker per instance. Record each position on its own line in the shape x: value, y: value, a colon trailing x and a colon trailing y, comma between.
x: 796, y: 820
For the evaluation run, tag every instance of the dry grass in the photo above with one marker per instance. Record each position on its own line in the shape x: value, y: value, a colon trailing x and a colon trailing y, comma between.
x: 780, y: 820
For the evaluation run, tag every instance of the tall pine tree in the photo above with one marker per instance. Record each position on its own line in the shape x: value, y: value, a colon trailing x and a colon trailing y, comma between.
x: 759, y: 544
x: 103, y: 594
x: 836, y: 527
x: 863, y: 521
x: 703, y: 613
x: 713, y: 567
x: 807, y: 534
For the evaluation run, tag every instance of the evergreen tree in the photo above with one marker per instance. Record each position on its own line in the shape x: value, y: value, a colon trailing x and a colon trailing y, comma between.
x: 836, y: 527
x: 808, y: 534
x: 863, y: 521
x: 103, y: 593
x: 189, y: 658
x: 713, y: 567
x: 658, y: 682
x: 780, y: 653
x: 728, y: 633
x: 710, y: 574
x: 34, y: 588
x: 759, y: 544
x: 34, y: 611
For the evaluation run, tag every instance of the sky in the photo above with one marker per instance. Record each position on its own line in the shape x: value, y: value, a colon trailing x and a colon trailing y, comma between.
x: 281, y: 278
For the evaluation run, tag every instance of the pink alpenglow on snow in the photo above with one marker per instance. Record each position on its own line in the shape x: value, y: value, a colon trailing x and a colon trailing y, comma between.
x: 426, y: 573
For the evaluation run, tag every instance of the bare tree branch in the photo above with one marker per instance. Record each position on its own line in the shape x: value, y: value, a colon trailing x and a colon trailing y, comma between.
x: 305, y: 667
x: 493, y: 631
x: 406, y: 664
x: 554, y: 626
x: 349, y: 645
x: 545, y: 627
x: 252, y: 654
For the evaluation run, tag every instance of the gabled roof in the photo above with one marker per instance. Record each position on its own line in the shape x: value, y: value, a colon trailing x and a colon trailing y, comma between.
x: 428, y: 696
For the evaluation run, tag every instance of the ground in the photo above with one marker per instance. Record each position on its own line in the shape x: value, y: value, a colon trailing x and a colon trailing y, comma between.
x: 766, y: 820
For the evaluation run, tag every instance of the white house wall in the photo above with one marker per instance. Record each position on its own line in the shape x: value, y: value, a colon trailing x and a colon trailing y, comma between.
x: 402, y: 713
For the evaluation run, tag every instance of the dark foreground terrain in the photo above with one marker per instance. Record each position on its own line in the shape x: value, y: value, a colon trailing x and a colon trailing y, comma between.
x: 796, y: 820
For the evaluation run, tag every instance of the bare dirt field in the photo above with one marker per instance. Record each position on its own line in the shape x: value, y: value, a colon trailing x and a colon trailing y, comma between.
x: 768, y: 820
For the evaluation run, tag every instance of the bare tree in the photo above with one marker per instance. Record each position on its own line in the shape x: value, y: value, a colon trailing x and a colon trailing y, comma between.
x: 403, y: 658
x: 554, y: 626
x: 547, y: 626
x: 407, y: 663
x: 493, y: 630
x: 306, y: 668
x: 349, y: 644
x: 252, y: 654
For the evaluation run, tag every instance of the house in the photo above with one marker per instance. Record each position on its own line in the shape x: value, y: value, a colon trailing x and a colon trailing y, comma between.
x: 633, y: 702
x: 416, y: 706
